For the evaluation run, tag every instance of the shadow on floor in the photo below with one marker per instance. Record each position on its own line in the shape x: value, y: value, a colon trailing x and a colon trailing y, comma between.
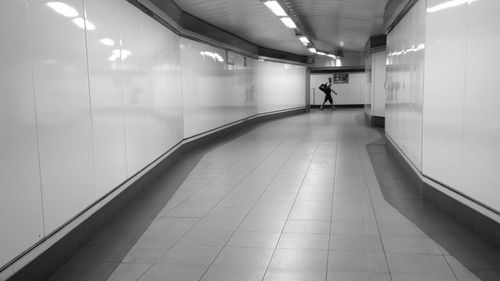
x: 476, y: 254
x: 100, y: 257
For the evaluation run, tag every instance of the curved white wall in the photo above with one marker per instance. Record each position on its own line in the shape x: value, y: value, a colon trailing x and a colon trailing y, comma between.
x: 461, y: 146
x: 447, y: 122
x: 405, y: 83
x: 86, y: 105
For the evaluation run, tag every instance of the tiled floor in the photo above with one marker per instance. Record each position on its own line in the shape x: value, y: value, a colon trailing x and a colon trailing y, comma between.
x: 292, y: 199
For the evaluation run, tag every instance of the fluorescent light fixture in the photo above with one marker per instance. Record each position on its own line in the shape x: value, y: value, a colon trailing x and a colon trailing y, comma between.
x: 448, y: 4
x: 276, y: 8
x: 288, y: 22
x: 81, y: 23
x: 63, y: 9
x: 332, y: 56
x: 304, y: 40
x: 312, y: 50
x: 115, y: 54
x: 125, y: 54
x: 321, y: 53
x: 107, y: 42
x: 214, y: 56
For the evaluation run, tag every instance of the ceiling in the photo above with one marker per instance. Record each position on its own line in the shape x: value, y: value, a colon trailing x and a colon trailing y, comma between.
x: 332, y: 24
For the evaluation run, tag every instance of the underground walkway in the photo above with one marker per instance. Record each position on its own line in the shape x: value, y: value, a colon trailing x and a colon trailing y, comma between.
x: 292, y: 199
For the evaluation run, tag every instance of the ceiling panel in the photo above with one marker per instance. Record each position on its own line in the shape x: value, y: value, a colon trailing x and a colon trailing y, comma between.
x: 332, y: 24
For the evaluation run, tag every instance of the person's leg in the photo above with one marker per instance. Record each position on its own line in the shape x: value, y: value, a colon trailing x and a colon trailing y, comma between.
x: 321, y: 107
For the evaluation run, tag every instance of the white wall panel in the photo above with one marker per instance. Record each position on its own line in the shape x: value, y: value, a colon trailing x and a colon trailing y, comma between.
x: 349, y: 93
x: 280, y: 86
x: 151, y: 86
x: 405, y: 77
x: 377, y: 85
x: 352, y: 92
x: 20, y: 205
x: 444, y: 92
x: 63, y: 110
x: 88, y: 102
x: 108, y: 125
x: 215, y: 92
x: 481, y: 153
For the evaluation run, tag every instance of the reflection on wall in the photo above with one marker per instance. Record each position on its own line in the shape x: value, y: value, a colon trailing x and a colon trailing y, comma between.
x: 461, y: 139
x: 216, y: 92
x: 348, y: 94
x: 405, y: 82
x: 104, y: 92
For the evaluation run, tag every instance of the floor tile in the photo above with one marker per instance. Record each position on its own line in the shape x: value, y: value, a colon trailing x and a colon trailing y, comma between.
x: 417, y: 264
x: 257, y: 257
x: 232, y: 273
x: 174, y: 272
x: 307, y: 226
x: 336, y: 275
x: 254, y: 239
x: 290, y: 274
x: 361, y: 243
x: 357, y: 261
x: 304, y: 241
x: 129, y: 272
x: 187, y: 254
x: 299, y: 259
x: 206, y: 238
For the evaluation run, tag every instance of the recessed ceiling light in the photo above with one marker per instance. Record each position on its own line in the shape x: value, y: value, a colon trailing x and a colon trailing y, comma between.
x: 276, y: 8
x: 288, y: 22
x: 304, y: 40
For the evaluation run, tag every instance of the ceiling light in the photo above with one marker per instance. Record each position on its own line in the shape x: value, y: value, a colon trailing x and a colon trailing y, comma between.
x: 63, y: 9
x: 275, y: 7
x: 81, y: 23
x: 288, y: 22
x: 107, y: 42
x: 304, y: 40
x: 446, y: 5
x: 312, y: 50
x: 321, y: 53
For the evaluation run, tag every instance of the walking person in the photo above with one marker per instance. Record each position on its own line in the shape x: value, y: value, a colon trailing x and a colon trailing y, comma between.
x: 327, y: 89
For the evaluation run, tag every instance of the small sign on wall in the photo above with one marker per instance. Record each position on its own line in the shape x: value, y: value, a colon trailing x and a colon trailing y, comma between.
x: 340, y: 78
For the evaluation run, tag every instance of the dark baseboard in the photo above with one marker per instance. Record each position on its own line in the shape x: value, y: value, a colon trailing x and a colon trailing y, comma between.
x: 340, y: 106
x: 375, y: 121
x: 47, y: 263
x: 467, y: 216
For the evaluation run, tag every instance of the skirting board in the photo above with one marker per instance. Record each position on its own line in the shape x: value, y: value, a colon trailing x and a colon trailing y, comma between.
x: 476, y: 217
x: 375, y: 121
x: 45, y: 258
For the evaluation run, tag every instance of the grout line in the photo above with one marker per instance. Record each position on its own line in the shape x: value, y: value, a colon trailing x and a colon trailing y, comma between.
x: 337, y: 142
x: 289, y: 213
x: 253, y: 206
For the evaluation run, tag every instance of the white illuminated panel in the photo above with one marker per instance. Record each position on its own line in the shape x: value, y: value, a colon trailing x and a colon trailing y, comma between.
x: 280, y: 86
x: 63, y: 113
x: 216, y: 90
x: 444, y: 93
x: 481, y: 150
x: 405, y: 82
x: 105, y: 77
x: 20, y: 198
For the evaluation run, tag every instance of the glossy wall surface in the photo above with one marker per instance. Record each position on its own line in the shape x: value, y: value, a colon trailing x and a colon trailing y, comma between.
x: 280, y: 86
x: 461, y: 141
x: 215, y: 91
x: 405, y: 83
x: 377, y: 85
x: 92, y: 91
x: 348, y: 94
x: 20, y: 191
